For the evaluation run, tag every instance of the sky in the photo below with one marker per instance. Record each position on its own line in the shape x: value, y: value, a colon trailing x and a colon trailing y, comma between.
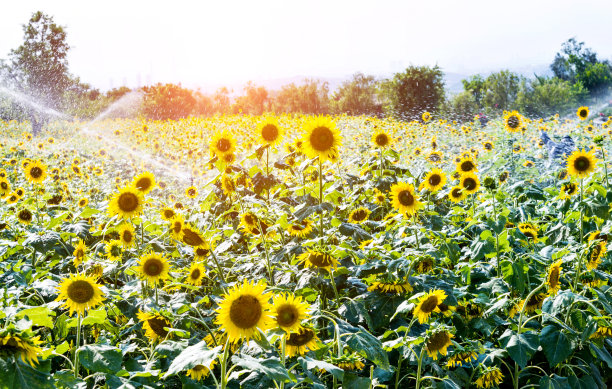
x: 204, y: 43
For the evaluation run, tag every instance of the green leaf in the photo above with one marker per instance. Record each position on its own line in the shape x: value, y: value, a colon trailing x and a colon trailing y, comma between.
x: 365, y: 343
x: 100, y: 358
x: 66, y: 379
x: 554, y: 382
x: 270, y: 367
x: 585, y: 382
x: 309, y: 364
x: 18, y: 375
x: 353, y: 381
x: 97, y: 316
x: 40, y: 316
x: 521, y: 347
x: 514, y: 274
x: 198, y: 354
x: 556, y: 345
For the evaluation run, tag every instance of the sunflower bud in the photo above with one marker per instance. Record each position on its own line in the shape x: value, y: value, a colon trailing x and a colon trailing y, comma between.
x: 598, y: 140
x: 489, y: 183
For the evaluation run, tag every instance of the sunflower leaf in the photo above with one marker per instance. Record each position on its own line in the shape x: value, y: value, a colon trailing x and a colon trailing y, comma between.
x: 270, y: 367
x: 17, y: 375
x: 100, y: 358
x: 309, y: 364
x: 198, y: 354
x: 556, y: 345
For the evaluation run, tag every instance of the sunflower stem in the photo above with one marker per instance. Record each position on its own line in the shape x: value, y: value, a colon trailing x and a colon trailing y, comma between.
x: 381, y: 162
x: 78, y: 343
x: 496, y: 237
x: 268, y: 169
x: 219, y: 269
x: 399, y: 369
x: 603, y: 152
x: 156, y: 299
x: 321, y: 196
x: 333, y: 282
x: 224, y: 364
x: 420, y: 364
x: 282, y: 356
x: 581, y: 237
x: 416, y: 232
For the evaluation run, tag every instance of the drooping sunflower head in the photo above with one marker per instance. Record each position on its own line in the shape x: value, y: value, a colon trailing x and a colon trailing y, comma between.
x: 192, y: 236
x: 80, y: 251
x: 596, y: 254
x: 289, y: 312
x: 195, y: 274
x: 223, y: 143
x: 244, y: 310
x: 461, y: 357
x: 581, y: 163
x: 154, y: 324
x: 554, y: 275
x: 381, y: 139
x: 513, y: 121
x: 35, y: 172
x: 153, y: 268
x: 428, y: 304
x: 127, y: 203
x: 438, y: 342
x: 582, y: 113
x: 321, y: 138
x: 79, y: 293
x: 359, y: 215
x: 490, y: 377
x: 318, y: 259
x: 302, y: 341
x: 144, y: 182
x: 20, y: 344
x: 270, y: 132
x: 529, y: 230
x: 300, y: 228
x: 434, y: 180
x: 199, y: 372
x: 405, y: 199
x: 568, y: 190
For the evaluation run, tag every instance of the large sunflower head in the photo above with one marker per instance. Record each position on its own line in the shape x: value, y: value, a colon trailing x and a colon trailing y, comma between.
x: 582, y: 113
x: 428, y: 304
x: 195, y: 274
x: 245, y: 309
x: 581, y: 163
x: 154, y: 325
x: 144, y: 182
x: 20, y: 344
x: 300, y: 228
x: 381, y: 139
x: 153, y: 268
x: 270, y: 132
x: 223, y: 143
x: 302, y: 341
x: 434, y: 180
x: 35, y: 172
x: 470, y: 183
x: 318, y: 260
x: 554, y: 274
x: 79, y: 293
x: 437, y: 342
x: 289, y: 312
x: 466, y: 165
x: 513, y: 121
x: 127, y: 203
x: 192, y: 236
x: 359, y: 215
x: 321, y: 138
x: 404, y: 198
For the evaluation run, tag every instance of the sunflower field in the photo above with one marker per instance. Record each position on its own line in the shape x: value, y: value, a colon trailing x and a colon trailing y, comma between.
x: 305, y: 252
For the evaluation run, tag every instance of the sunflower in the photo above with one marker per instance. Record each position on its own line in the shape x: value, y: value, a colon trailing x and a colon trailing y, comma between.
x: 491, y: 377
x: 126, y: 235
x: 191, y: 192
x: 404, y: 198
x: 144, y: 182
x: 434, y: 180
x: 397, y: 287
x: 597, y: 252
x: 529, y: 231
x: 513, y: 121
x: 113, y: 250
x: 249, y: 221
x: 381, y: 139
x: 302, y: 341
x: 438, y: 342
x: 488, y: 146
x: 503, y: 177
x: 25, y: 216
x: 289, y: 312
x: 318, y: 260
x: 554, y: 274
x: 228, y: 184
x: 167, y: 213
x: 201, y: 252
x: 244, y: 310
x: 154, y: 325
x: 535, y: 302
x: 153, y: 268
x: 80, y: 251
x: 379, y: 197
x: 300, y: 228
x: 582, y: 113
x: 426, y: 116
x: 270, y: 132
x: 602, y: 332
x: 127, y: 203
x: 434, y: 157
x: 223, y: 143
x: 517, y: 148
x: 359, y: 215
x: 197, y: 272
x: 20, y: 345
x: 5, y: 187
x: 199, y: 372
x: 176, y: 227
x: 80, y: 293
x: 348, y: 361
x: 321, y: 138
x: 83, y: 202
x: 466, y: 165
x: 35, y: 172
x: 192, y: 236
x: 460, y: 358
x: 457, y: 194
x: 581, y: 163
x: 427, y: 304
x: 417, y: 151
x: 568, y: 190
x: 470, y: 183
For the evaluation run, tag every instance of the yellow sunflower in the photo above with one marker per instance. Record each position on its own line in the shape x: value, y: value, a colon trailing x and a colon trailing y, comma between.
x: 127, y: 203
x: 381, y: 139
x: 25, y: 216
x: 434, y: 180
x: 244, y: 310
x: 318, y: 260
x: 302, y: 341
x: 359, y: 215
x: 153, y: 268
x: 196, y: 274
x: 438, y: 342
x: 582, y: 113
x: 581, y: 163
x: 35, y: 172
x: 597, y: 252
x: 554, y: 274
x: 289, y: 312
x: 176, y: 227
x: 223, y: 143
x: 191, y: 192
x: 199, y: 372
x: 167, y: 213
x: 568, y: 190
x: 466, y: 165
x: 470, y: 183
x: 192, y: 236
x: 79, y: 293
x: 428, y: 304
x: 22, y: 346
x: 144, y: 182
x: 154, y: 325
x: 127, y: 235
x: 80, y: 251
x: 434, y: 157
x: 491, y: 377
x: 113, y: 250
x: 270, y: 132
x: 459, y: 358
x: 321, y: 138
x: 457, y: 194
x: 405, y: 199
x: 513, y: 121
x: 300, y: 228
x: 426, y: 116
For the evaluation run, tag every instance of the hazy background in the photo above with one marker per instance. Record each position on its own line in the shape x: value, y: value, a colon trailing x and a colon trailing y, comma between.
x: 206, y: 44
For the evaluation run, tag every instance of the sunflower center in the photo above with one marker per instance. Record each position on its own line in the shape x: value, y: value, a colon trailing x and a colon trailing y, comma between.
x: 320, y: 259
x: 430, y: 304
x: 25, y: 215
x: 127, y: 236
x: 406, y: 198
x: 513, y: 122
x: 269, y: 132
x: 322, y: 139
x: 300, y: 339
x: 4, y: 185
x: 249, y: 219
x: 467, y: 166
x: 359, y: 215
x: 582, y: 164
x: 80, y: 291
x: 195, y: 274
x: 191, y: 192
x: 192, y: 238
x: 176, y: 227
x: 297, y: 227
x: 36, y: 172
x: 153, y: 267
x: 382, y: 139
x: 144, y: 183
x: 157, y: 325
x: 437, y: 341
x: 287, y: 315
x: 246, y: 311
x: 223, y: 145
x: 554, y: 277
x: 488, y: 146
x: 583, y: 113
x: 434, y: 179
x: 79, y: 253
x: 469, y: 183
x: 201, y: 252
x: 434, y: 157
x: 128, y: 202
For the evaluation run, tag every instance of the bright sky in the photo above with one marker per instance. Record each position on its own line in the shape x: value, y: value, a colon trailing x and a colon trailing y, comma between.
x: 217, y: 42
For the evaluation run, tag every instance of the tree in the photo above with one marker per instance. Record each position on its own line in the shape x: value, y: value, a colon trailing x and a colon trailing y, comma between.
x: 461, y: 107
x: 253, y: 102
x: 39, y: 66
x: 418, y: 89
x: 501, y: 89
x: 356, y: 97
x: 312, y: 97
x: 167, y: 101
x: 476, y: 85
x: 546, y: 96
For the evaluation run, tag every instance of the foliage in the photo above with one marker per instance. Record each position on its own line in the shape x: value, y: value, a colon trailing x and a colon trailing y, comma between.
x: 356, y: 97
x: 461, y: 107
x: 167, y: 101
x: 547, y: 96
x: 312, y: 97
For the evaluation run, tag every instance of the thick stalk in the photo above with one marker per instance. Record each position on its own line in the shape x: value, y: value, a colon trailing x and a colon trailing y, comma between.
x: 579, y: 268
x: 399, y: 369
x: 496, y: 237
x: 77, y: 345
x: 282, y: 356
x: 224, y: 364
x: 321, y: 195
x: 420, y: 363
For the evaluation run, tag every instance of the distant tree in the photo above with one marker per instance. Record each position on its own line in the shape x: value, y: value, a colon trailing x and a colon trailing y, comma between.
x: 418, y: 89
x: 254, y: 101
x: 543, y: 96
x: 356, y: 97
x: 501, y: 89
x: 167, y: 101
x: 461, y: 107
x: 312, y: 97
x: 476, y: 85
x: 221, y: 100
x: 576, y: 63
x: 204, y: 104
x: 117, y: 93
x: 39, y: 66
